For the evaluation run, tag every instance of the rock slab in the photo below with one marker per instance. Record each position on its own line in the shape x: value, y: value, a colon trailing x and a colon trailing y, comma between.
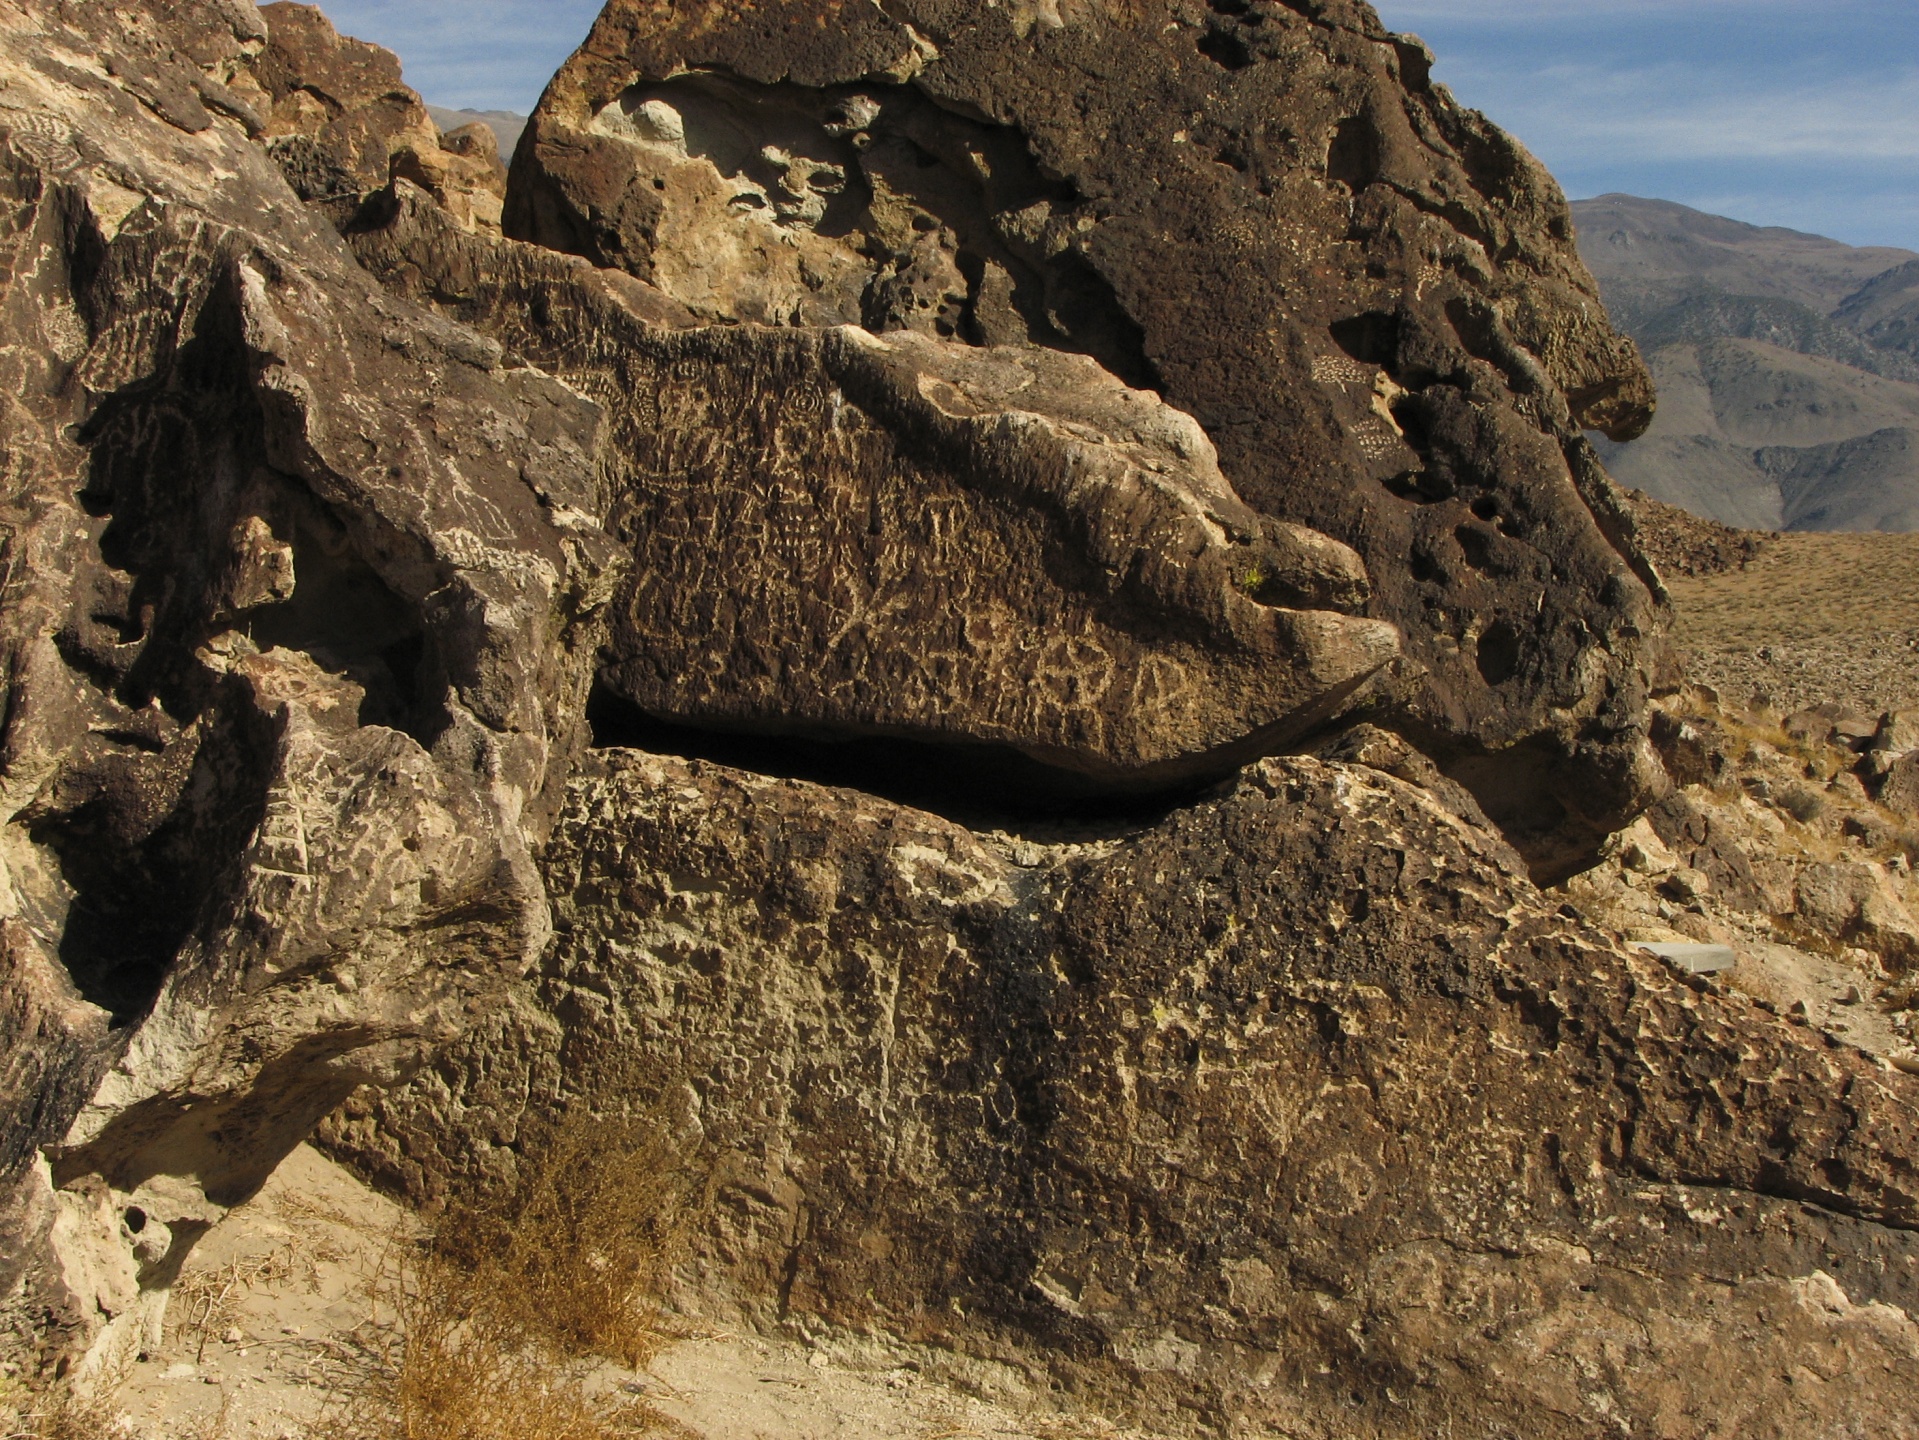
x: 1298, y: 1111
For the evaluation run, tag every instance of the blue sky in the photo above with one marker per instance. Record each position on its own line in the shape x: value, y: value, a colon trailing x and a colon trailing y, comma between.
x: 472, y: 54
x: 1782, y: 112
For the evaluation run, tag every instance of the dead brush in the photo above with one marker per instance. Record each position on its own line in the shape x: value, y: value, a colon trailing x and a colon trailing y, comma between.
x: 64, y: 1414
x: 576, y: 1249
x: 496, y: 1326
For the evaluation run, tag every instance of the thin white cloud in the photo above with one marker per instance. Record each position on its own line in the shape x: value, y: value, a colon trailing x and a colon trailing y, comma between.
x: 1515, y: 13
x: 1672, y: 113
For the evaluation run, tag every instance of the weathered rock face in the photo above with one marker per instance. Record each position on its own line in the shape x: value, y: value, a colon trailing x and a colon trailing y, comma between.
x: 1297, y: 1111
x: 1294, y: 1108
x: 341, y: 123
x: 837, y: 533
x: 294, y: 655
x: 1367, y: 296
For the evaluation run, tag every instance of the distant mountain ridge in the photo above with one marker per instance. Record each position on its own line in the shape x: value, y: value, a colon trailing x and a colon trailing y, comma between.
x: 504, y: 123
x: 1788, y: 366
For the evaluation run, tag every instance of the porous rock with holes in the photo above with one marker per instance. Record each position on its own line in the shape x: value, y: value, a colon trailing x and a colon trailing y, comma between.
x: 295, y: 657
x: 1366, y: 295
x: 1279, y: 1101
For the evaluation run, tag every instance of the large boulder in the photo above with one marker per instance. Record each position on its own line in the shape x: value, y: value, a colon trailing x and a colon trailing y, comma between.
x: 1002, y: 548
x: 1367, y: 296
x: 295, y: 656
x: 1299, y: 1111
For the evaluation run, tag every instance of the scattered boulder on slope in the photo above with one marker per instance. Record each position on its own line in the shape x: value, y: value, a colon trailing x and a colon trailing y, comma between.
x: 295, y: 657
x: 1367, y: 296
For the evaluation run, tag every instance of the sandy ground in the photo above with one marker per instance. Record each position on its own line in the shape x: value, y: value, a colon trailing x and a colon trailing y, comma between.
x: 270, y: 1306
x: 262, y: 1318
x: 1812, y: 618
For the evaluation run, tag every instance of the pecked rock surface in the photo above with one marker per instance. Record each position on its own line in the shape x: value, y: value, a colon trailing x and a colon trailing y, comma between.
x: 839, y: 533
x: 1366, y: 295
x: 294, y: 656
x: 1298, y: 1111
x: 1292, y: 1108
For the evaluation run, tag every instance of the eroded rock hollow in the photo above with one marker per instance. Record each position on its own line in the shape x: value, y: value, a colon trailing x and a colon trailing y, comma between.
x: 1135, y: 453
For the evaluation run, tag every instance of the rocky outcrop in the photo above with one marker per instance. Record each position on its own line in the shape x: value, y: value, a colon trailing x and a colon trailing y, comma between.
x: 837, y: 533
x: 1101, y: 448
x: 1785, y: 842
x: 1367, y: 297
x: 1297, y: 1111
x: 337, y: 118
x: 295, y: 659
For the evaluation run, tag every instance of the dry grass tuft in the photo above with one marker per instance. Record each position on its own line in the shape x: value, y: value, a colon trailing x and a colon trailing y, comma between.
x: 494, y: 1324
x: 63, y: 1414
x: 578, y: 1247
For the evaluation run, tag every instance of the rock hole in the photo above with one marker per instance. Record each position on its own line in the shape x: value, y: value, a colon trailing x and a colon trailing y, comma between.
x: 351, y: 623
x: 1086, y: 317
x: 984, y: 787
x: 1225, y: 48
x: 1427, y: 569
x: 1371, y: 339
x: 1352, y: 159
x: 1229, y: 7
x: 1498, y: 653
x: 876, y: 188
x: 1486, y: 508
x: 1477, y: 546
x: 136, y: 1219
x: 1417, y: 487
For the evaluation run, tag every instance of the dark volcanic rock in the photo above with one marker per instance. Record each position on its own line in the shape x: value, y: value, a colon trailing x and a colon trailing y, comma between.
x: 1297, y: 1112
x: 1294, y: 1108
x: 836, y: 533
x: 294, y: 658
x: 1367, y: 296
